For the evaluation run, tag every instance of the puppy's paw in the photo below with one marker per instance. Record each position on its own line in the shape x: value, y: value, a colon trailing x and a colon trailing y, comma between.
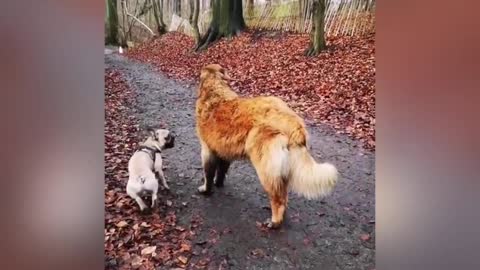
x: 165, y: 186
x: 146, y: 211
x: 203, y: 190
x: 271, y: 225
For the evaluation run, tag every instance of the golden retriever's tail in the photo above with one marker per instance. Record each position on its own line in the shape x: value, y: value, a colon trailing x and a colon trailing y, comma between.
x: 306, y: 176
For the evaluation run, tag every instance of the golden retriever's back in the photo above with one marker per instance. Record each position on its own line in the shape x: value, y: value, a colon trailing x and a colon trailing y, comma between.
x: 225, y: 125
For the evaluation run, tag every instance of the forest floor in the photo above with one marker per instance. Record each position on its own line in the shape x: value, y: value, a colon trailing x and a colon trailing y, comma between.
x: 224, y: 231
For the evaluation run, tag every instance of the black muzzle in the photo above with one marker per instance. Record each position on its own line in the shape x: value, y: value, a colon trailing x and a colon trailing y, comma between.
x: 170, y: 141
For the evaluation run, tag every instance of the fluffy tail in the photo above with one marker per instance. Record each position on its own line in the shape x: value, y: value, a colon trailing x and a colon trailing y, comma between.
x: 288, y: 159
x: 306, y: 176
x: 309, y: 178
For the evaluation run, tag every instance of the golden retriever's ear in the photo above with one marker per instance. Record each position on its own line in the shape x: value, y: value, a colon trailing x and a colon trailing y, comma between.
x: 203, y: 74
x: 224, y: 74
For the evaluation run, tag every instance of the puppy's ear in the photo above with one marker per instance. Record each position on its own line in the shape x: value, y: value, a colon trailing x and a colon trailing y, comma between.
x: 150, y: 132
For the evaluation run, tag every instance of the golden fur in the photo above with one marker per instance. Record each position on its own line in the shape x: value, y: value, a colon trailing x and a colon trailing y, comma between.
x: 264, y: 130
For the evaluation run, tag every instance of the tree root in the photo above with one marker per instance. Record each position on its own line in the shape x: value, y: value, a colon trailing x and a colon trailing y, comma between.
x: 209, y: 37
x: 311, y: 51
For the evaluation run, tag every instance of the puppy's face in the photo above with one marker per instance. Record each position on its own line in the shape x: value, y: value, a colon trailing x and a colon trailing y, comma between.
x: 163, y: 137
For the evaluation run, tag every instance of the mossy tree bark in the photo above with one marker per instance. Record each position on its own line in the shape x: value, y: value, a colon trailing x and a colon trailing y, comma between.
x: 317, y: 36
x: 227, y: 22
x: 112, y: 17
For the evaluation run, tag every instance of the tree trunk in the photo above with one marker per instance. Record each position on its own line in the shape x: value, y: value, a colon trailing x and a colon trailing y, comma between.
x: 158, y: 14
x: 227, y: 21
x: 112, y: 34
x: 194, y: 20
x: 301, y: 18
x: 317, y: 36
x: 191, y: 4
x: 178, y: 7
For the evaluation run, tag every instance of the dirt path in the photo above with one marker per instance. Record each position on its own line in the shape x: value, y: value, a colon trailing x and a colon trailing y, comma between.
x: 316, y: 234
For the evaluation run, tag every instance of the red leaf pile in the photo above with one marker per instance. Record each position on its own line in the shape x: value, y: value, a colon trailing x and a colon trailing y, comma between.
x: 132, y: 240
x: 337, y: 87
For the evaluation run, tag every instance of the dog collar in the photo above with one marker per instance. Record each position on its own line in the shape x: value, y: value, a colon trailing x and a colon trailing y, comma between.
x: 150, y: 151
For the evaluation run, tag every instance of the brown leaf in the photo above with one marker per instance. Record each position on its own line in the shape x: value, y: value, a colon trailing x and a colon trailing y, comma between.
x: 121, y: 224
x: 183, y: 259
x: 148, y: 250
x: 258, y: 252
x: 185, y: 247
x: 365, y: 237
x: 136, y: 261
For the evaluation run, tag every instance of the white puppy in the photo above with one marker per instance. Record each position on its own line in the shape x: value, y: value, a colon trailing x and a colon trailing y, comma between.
x: 145, y: 162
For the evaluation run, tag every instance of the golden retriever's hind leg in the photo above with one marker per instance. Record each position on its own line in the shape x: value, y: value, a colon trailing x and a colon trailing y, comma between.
x: 268, y: 153
x: 209, y: 163
x: 269, y: 172
x: 278, y: 202
x: 277, y: 194
x: 222, y: 168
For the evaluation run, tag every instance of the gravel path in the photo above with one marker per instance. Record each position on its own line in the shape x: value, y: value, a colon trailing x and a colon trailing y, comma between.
x: 336, y: 233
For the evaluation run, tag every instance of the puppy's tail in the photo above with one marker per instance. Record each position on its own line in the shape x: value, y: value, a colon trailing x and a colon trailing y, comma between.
x: 306, y: 176
x: 142, y: 179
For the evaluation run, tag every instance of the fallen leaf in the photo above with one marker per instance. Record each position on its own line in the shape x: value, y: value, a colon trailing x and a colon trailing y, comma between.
x: 121, y: 224
x: 365, y: 237
x: 136, y: 261
x: 148, y: 250
x: 258, y: 252
x: 183, y: 259
x: 185, y: 247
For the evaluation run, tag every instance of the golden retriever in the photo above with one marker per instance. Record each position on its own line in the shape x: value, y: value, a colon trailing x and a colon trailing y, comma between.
x: 264, y: 130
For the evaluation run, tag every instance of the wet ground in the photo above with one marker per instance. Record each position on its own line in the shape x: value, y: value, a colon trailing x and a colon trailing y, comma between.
x: 334, y: 233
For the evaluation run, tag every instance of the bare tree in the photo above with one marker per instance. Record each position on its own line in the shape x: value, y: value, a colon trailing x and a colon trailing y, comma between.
x: 158, y: 14
x: 192, y: 7
x: 178, y: 7
x: 302, y: 13
x: 195, y: 9
x: 227, y: 21
x: 127, y: 25
x: 112, y: 20
x: 317, y: 36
